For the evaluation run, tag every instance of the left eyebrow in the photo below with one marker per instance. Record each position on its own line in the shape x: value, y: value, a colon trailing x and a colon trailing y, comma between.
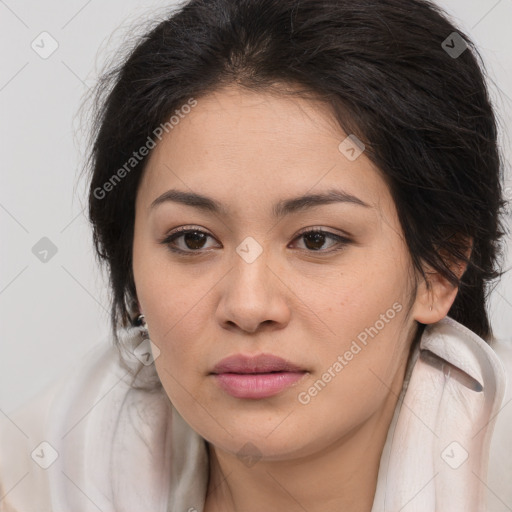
x: 301, y: 203
x: 280, y: 209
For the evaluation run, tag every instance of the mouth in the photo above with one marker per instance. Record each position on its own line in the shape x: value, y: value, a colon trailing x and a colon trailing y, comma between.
x: 256, y: 377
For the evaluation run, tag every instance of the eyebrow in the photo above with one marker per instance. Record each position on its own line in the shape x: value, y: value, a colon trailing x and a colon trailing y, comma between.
x: 280, y: 209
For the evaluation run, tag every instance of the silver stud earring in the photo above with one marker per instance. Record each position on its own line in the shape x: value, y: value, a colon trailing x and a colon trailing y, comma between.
x: 142, y: 326
x: 141, y: 321
x: 136, y: 347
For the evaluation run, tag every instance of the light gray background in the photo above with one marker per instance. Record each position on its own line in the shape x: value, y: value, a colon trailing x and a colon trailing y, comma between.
x: 52, y: 313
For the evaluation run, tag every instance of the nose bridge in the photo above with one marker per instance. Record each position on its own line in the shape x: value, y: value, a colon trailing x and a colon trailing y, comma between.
x: 252, y: 267
x: 251, y: 294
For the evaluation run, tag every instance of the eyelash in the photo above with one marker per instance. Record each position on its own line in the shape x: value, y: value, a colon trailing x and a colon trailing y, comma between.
x: 343, y: 241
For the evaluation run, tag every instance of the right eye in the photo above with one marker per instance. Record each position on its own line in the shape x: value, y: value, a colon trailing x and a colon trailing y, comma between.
x: 192, y: 239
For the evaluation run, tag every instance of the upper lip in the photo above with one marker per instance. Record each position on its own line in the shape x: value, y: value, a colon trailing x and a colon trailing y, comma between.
x: 262, y: 363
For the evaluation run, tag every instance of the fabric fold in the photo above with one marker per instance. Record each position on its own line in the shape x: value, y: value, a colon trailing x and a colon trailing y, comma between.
x: 439, y: 440
x: 122, y: 446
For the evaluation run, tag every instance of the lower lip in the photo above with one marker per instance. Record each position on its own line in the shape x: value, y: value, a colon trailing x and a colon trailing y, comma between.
x: 257, y: 385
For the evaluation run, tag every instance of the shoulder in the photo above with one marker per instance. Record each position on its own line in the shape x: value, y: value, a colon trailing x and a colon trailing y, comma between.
x: 31, y: 436
x: 59, y: 450
x: 500, y: 455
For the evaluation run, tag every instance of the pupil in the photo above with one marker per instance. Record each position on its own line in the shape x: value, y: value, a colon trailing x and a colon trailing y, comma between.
x: 318, y: 240
x: 193, y: 240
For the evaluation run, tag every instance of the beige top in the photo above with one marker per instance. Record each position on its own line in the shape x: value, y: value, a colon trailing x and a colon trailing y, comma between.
x: 91, y: 442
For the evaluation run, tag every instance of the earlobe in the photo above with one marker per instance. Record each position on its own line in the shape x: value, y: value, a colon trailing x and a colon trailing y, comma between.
x: 436, y: 294
x: 434, y: 298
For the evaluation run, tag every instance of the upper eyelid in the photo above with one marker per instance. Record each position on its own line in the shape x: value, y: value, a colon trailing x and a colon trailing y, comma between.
x: 185, y: 229
x: 322, y: 230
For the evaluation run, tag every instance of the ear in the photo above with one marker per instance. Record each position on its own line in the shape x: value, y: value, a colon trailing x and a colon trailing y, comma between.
x: 435, y: 294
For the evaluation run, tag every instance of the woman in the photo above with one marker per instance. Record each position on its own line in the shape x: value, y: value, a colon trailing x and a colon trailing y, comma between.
x: 298, y: 204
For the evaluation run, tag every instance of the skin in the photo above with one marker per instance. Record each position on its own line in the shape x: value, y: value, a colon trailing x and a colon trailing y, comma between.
x: 248, y: 151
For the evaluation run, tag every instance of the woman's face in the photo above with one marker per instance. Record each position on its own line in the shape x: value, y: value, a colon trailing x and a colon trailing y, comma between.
x: 255, y: 280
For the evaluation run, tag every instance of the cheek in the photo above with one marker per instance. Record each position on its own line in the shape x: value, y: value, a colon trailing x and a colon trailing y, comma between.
x: 177, y: 308
x: 355, y: 377
x: 177, y: 323
x: 172, y: 294
x: 366, y: 314
x: 369, y: 292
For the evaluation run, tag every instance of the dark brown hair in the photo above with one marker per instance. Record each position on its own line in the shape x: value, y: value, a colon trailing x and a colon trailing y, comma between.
x: 391, y: 73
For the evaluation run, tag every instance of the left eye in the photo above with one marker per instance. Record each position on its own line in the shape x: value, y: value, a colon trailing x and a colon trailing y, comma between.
x: 315, y: 239
x: 194, y: 240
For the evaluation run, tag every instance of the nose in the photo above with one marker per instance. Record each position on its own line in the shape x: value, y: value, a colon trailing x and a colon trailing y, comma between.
x: 253, y: 297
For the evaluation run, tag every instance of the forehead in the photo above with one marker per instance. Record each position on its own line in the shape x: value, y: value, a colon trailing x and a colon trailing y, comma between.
x: 246, y: 147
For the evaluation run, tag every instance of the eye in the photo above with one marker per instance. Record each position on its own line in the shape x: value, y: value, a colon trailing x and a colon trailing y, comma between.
x: 314, y: 240
x: 193, y: 240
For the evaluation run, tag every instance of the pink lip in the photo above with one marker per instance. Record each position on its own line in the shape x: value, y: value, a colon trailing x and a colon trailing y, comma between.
x: 256, y: 377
